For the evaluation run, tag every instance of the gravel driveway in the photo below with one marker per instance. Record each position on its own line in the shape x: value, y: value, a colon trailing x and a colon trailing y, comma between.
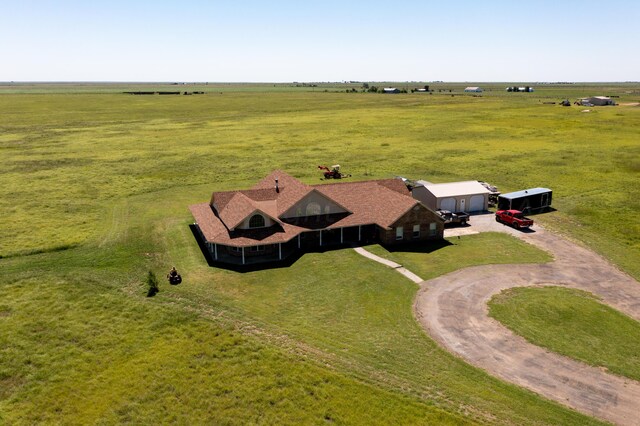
x: 453, y: 309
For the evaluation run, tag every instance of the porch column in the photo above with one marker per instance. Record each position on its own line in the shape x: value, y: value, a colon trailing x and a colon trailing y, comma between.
x: 341, y: 236
x: 215, y: 250
x: 299, y: 240
x: 359, y: 232
x: 280, y: 251
x: 321, y: 238
x: 243, y: 255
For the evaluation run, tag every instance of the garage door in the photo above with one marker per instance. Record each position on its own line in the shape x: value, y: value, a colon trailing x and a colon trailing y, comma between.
x: 448, y: 204
x: 477, y: 203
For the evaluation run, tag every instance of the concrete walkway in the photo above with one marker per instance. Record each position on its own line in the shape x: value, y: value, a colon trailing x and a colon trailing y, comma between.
x: 453, y: 310
x: 413, y: 277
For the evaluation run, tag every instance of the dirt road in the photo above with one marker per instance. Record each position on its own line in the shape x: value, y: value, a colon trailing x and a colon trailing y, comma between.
x: 453, y: 309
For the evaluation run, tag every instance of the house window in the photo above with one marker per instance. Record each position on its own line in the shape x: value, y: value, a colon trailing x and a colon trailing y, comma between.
x: 399, y: 233
x: 256, y: 221
x: 416, y: 231
x: 432, y: 229
x: 313, y: 209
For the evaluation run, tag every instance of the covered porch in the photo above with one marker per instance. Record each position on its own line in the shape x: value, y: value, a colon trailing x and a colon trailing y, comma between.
x: 312, y: 240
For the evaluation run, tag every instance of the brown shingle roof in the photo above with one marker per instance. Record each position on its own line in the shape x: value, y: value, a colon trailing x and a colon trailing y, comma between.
x: 371, y: 201
x: 381, y: 202
x: 291, y: 190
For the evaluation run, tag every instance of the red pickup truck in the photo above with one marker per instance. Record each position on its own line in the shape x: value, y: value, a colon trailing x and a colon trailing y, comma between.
x: 514, y: 218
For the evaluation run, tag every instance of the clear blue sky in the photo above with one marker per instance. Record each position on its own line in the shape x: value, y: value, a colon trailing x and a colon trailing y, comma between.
x: 280, y: 41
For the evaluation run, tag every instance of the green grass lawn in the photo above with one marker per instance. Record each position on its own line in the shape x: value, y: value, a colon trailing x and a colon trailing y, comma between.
x: 74, y: 354
x: 98, y: 186
x: 600, y: 335
x: 489, y: 247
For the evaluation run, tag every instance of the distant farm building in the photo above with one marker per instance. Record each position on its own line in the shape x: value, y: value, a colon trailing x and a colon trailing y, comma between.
x: 390, y: 90
x: 473, y: 89
x: 468, y: 196
x: 163, y: 93
x: 528, y: 200
x: 596, y: 101
x: 526, y: 89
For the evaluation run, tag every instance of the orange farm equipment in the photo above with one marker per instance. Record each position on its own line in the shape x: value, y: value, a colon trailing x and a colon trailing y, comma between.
x: 333, y: 172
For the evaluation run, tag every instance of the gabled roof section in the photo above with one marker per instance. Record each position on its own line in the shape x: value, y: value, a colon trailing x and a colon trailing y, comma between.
x: 309, y: 195
x: 284, y: 179
x: 290, y: 189
x: 377, y: 201
x: 395, y: 185
x: 240, y: 206
x: 236, y: 210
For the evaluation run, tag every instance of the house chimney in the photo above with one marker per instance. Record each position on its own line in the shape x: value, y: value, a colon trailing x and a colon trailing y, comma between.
x: 277, y: 188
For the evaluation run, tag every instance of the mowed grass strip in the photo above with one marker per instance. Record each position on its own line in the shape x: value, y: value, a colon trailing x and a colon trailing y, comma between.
x: 572, y: 323
x: 81, y: 354
x: 432, y: 260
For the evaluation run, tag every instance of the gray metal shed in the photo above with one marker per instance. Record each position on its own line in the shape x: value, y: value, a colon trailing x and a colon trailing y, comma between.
x: 527, y: 200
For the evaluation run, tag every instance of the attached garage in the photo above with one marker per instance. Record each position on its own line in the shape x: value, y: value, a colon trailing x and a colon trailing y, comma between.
x: 448, y: 204
x: 467, y: 196
x: 477, y: 203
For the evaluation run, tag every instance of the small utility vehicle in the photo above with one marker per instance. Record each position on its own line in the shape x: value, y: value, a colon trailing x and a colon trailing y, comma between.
x: 174, y: 277
x: 514, y: 218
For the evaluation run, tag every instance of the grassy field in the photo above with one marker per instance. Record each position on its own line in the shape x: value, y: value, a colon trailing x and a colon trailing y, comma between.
x: 75, y: 354
x: 600, y: 336
x: 98, y: 185
x: 69, y: 156
x: 428, y: 263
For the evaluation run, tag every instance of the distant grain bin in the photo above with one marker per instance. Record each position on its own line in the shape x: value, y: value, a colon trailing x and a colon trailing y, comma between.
x: 528, y: 200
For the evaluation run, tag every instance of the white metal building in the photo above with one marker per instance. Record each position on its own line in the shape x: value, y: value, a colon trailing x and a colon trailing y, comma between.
x: 468, y: 196
x: 473, y: 89
x: 598, y: 101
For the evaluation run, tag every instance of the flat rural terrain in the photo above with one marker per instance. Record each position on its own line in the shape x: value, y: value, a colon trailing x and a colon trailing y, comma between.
x: 96, y: 185
x: 453, y: 308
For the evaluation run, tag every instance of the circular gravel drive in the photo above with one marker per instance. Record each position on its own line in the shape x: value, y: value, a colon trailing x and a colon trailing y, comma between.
x: 453, y: 309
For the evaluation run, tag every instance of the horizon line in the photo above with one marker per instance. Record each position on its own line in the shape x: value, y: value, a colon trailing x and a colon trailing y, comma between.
x: 176, y: 82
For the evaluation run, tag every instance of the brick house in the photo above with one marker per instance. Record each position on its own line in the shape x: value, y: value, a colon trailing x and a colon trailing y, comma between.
x: 281, y: 215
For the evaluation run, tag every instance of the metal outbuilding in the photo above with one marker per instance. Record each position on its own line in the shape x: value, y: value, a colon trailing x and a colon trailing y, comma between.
x: 472, y: 89
x: 528, y: 200
x: 468, y: 196
x: 597, y: 101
